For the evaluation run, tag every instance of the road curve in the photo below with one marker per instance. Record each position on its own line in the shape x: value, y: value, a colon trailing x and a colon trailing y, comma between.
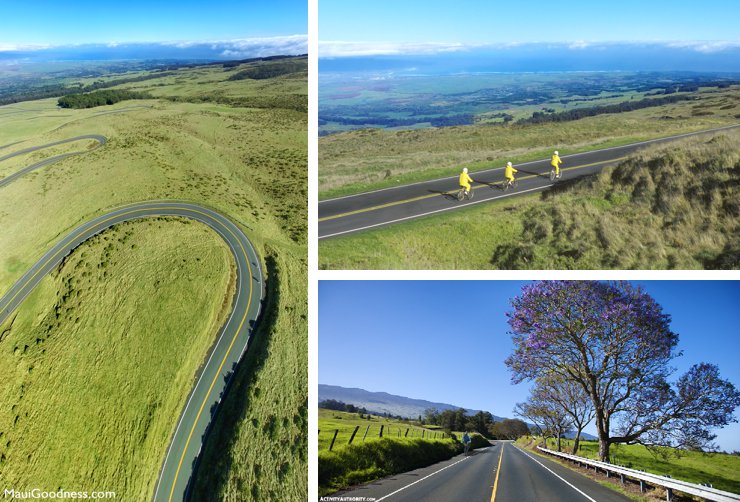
x: 353, y: 213
x: 231, y: 342
x: 500, y: 473
x: 102, y: 140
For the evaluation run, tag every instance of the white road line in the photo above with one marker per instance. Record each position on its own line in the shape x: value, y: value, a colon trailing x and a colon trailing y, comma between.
x: 432, y: 212
x: 646, y: 142
x: 425, y: 477
x: 556, y: 475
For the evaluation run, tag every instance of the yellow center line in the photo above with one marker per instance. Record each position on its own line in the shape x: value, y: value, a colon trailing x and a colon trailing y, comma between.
x: 498, y: 471
x: 218, y: 373
x: 421, y: 197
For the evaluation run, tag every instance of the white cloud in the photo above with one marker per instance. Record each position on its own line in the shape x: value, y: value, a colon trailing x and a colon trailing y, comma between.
x: 251, y: 47
x: 349, y: 49
x: 11, y: 47
x: 706, y: 47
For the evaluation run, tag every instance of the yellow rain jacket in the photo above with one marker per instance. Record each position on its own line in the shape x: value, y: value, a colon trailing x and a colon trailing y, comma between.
x: 509, y: 172
x: 465, y: 180
x: 555, y: 162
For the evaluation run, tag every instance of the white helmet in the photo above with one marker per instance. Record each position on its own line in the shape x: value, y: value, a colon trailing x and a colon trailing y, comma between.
x: 508, y: 163
x: 556, y: 152
x: 465, y: 170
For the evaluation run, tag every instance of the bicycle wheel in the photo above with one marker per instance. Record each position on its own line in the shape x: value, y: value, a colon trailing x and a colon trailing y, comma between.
x: 552, y: 175
x: 460, y: 194
x: 469, y: 194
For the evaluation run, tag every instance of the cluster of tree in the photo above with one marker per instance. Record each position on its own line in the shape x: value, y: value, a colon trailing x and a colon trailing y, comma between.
x: 459, y: 420
x: 17, y: 93
x: 509, y: 428
x: 296, y: 102
x: 100, y: 98
x: 579, y: 113
x: 333, y: 404
x: 602, y: 351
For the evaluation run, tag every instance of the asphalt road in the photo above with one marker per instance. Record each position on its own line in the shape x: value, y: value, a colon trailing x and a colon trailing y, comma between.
x: 51, y: 160
x: 502, y: 473
x: 344, y: 215
x: 231, y: 343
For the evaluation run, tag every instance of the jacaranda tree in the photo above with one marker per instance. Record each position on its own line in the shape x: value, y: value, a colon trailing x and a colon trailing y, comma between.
x: 615, y: 341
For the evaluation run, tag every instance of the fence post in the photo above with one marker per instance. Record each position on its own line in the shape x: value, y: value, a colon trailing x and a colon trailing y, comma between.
x: 407, y: 432
x: 353, y: 434
x: 333, y: 439
x: 366, y: 431
x: 381, y: 430
x: 422, y: 434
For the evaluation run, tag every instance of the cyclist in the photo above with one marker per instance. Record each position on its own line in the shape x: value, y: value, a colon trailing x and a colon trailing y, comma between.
x: 509, y: 173
x: 466, y: 442
x: 555, y: 163
x: 465, y: 180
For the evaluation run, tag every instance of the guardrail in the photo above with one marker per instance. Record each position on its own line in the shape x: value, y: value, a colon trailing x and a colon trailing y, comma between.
x: 644, y: 478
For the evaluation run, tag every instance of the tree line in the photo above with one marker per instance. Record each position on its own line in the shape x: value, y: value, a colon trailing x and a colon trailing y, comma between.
x: 579, y: 113
x: 100, y: 98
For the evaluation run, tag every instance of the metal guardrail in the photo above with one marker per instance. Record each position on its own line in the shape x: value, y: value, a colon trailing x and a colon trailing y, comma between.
x: 669, y: 484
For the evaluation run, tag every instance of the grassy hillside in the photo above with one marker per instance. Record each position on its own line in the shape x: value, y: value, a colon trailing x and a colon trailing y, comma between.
x: 345, y: 423
x: 90, y: 375
x: 205, y: 139
x: 374, y: 158
x: 667, y: 207
x: 719, y: 469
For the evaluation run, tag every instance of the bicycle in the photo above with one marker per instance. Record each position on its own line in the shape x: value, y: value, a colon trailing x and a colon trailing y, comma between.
x: 553, y: 176
x: 509, y: 184
x: 464, y: 194
x: 467, y: 448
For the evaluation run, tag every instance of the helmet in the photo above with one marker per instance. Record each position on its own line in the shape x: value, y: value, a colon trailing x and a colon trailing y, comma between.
x: 556, y: 152
x: 508, y: 163
x: 465, y: 170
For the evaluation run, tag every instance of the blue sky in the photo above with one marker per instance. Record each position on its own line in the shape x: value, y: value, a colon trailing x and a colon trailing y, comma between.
x: 423, y: 25
x: 49, y: 22
x: 446, y: 341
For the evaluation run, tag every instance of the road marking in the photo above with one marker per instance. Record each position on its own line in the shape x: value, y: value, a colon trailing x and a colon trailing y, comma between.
x: 422, y: 479
x: 421, y: 197
x: 644, y: 142
x: 498, y: 471
x: 556, y: 475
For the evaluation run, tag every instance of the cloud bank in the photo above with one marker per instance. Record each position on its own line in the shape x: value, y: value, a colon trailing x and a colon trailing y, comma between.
x: 340, y: 49
x: 212, y: 50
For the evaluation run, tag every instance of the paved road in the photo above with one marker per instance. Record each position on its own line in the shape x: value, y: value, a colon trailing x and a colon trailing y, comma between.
x: 226, y: 353
x: 354, y: 213
x: 51, y: 160
x: 502, y: 473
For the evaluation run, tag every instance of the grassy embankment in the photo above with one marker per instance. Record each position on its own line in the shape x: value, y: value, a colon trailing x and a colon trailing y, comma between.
x: 374, y: 457
x: 369, y: 159
x: 247, y: 162
x: 667, y: 207
x: 719, y: 469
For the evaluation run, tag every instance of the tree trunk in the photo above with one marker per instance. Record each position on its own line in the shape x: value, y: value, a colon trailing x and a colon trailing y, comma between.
x: 559, y: 441
x: 576, y: 441
x: 603, y: 448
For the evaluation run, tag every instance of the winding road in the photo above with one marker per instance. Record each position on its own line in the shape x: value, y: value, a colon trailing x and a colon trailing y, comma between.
x: 502, y: 472
x: 232, y: 340
x: 353, y: 213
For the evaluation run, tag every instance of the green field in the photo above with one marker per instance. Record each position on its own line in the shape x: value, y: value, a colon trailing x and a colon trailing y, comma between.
x: 668, y: 207
x: 237, y: 146
x: 718, y: 469
x: 374, y: 158
x: 331, y: 421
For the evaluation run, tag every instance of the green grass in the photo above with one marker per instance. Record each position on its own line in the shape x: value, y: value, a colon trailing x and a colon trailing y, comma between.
x: 347, y: 466
x: 369, y: 159
x: 345, y: 423
x: 719, y: 469
x: 246, y: 162
x: 668, y: 207
x: 91, y: 376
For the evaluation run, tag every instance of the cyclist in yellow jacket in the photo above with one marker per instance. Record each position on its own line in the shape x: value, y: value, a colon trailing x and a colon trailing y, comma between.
x: 555, y: 163
x: 465, y: 180
x: 509, y: 172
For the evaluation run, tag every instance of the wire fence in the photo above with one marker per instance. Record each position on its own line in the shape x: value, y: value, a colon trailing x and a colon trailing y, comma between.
x: 331, y: 437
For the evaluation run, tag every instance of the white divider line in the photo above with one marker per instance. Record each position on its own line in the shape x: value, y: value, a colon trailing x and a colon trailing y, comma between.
x: 556, y: 475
